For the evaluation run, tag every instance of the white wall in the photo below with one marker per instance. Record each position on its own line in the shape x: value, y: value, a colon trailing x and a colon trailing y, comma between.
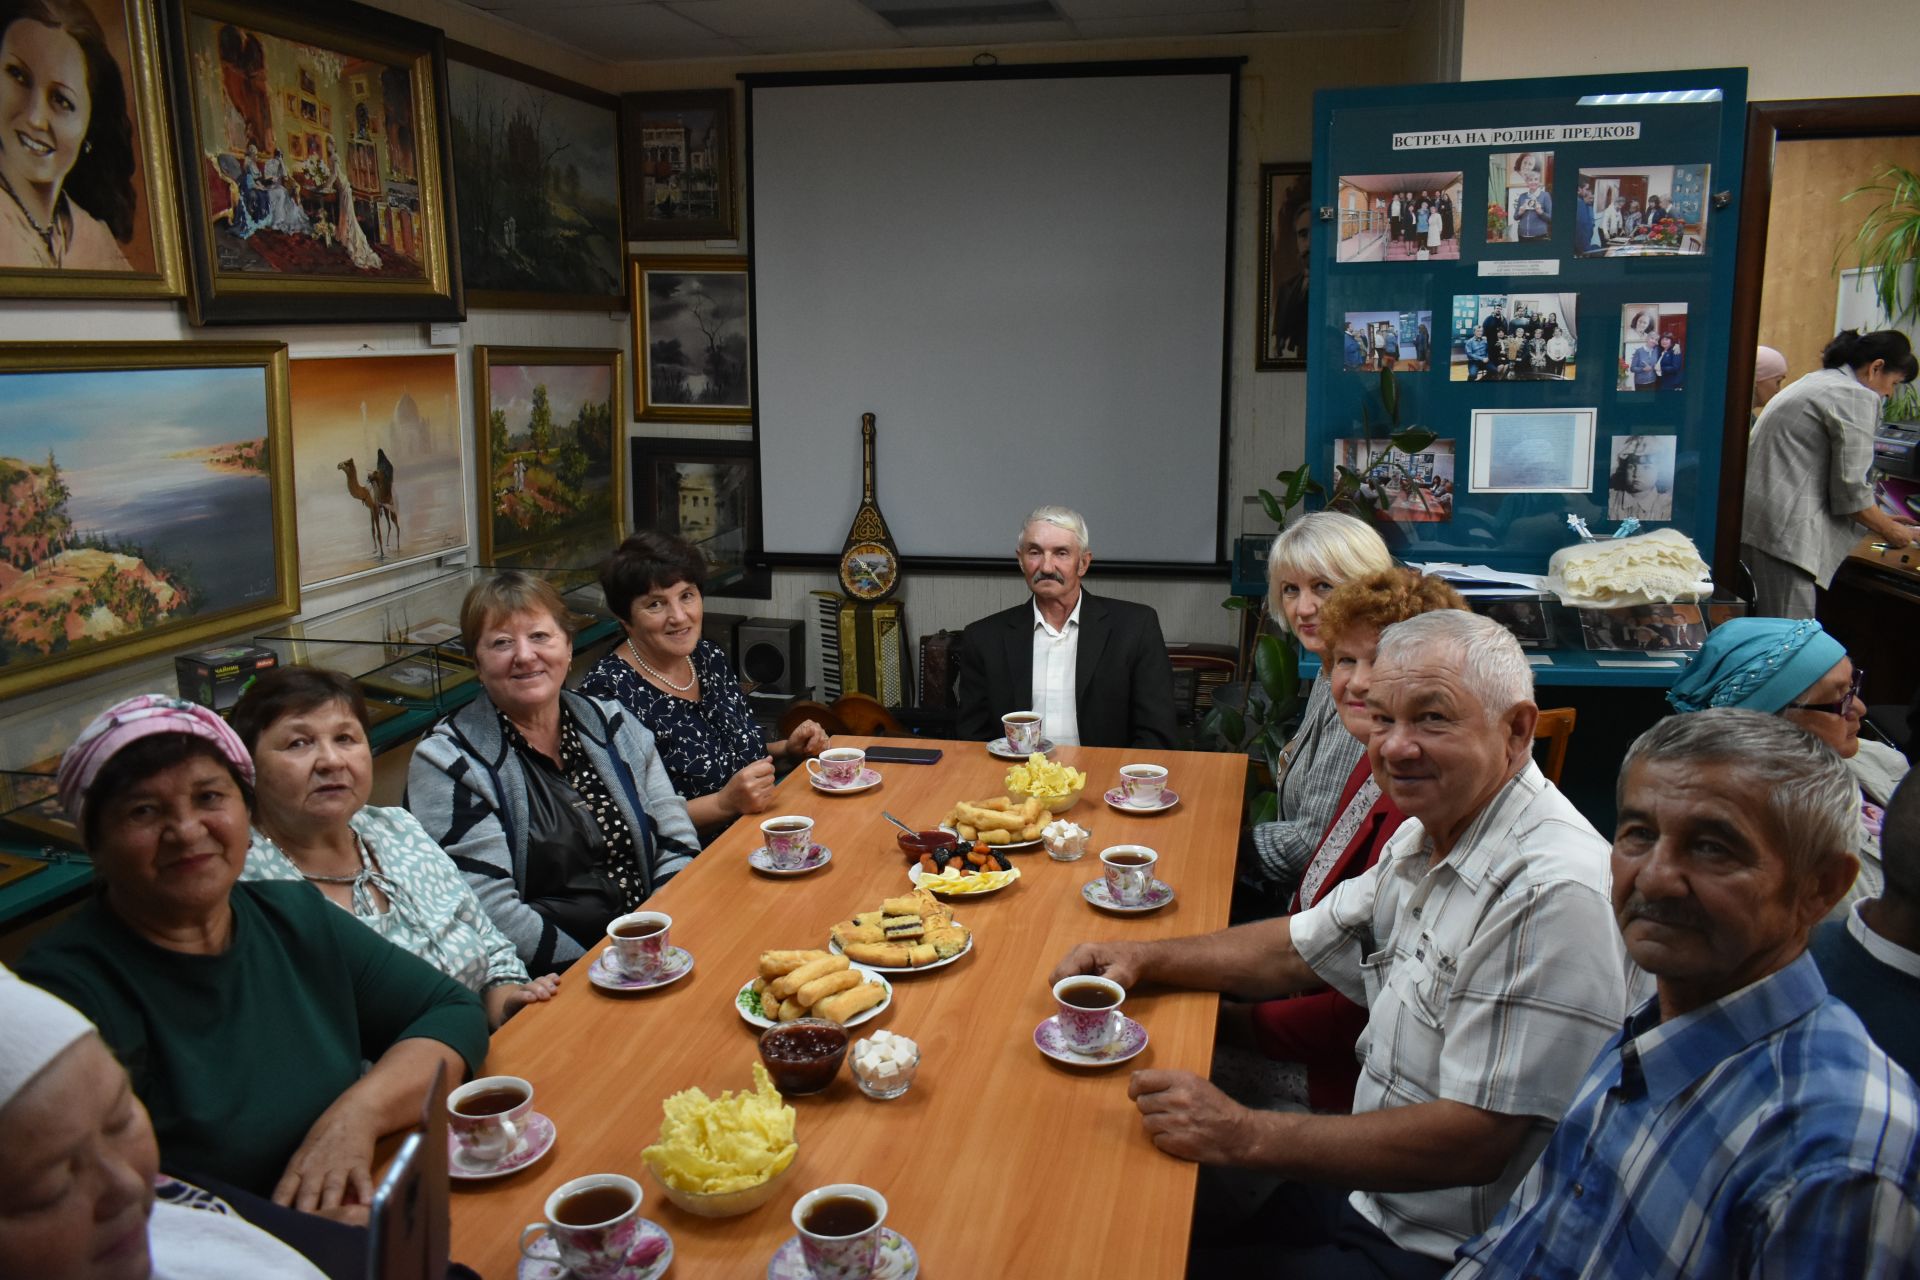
x: 1793, y: 49
x: 1268, y: 410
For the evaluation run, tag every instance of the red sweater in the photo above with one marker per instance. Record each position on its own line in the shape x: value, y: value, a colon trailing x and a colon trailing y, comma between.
x: 1318, y: 1029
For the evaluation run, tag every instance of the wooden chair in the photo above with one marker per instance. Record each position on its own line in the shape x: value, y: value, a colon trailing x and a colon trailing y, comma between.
x: 855, y: 713
x: 1556, y: 726
x: 866, y: 715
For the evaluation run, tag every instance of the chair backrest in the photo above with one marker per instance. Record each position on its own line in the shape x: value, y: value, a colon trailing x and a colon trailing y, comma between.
x: 863, y: 714
x: 1556, y: 727
x: 818, y: 712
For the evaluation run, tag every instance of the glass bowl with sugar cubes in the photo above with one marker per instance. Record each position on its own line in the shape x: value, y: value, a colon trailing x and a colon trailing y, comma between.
x: 884, y: 1063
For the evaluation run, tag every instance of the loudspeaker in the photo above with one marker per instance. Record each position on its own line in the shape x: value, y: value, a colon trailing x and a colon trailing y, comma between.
x: 723, y: 629
x: 773, y: 654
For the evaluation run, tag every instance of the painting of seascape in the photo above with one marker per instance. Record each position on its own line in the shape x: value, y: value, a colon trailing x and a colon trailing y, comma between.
x: 142, y: 507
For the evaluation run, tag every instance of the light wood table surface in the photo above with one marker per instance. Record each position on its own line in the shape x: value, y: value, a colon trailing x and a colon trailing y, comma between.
x: 999, y: 1161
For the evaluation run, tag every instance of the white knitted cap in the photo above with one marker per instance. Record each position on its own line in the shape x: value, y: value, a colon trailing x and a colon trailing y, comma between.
x: 35, y: 1028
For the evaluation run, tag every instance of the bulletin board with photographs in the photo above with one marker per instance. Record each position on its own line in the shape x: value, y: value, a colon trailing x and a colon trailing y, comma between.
x: 1546, y: 268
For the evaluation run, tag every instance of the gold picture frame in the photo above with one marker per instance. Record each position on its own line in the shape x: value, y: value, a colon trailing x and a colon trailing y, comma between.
x: 135, y: 523
x: 542, y: 505
x: 124, y: 183
x: 361, y: 229
x: 699, y: 308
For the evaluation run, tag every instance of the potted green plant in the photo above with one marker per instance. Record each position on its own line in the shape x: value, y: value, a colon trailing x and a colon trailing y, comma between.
x: 1888, y: 244
x: 1256, y: 715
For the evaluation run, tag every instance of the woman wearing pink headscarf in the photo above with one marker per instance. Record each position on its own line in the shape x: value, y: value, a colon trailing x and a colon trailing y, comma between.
x: 242, y: 1012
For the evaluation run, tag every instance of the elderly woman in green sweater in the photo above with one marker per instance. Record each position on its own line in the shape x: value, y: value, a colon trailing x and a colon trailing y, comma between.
x: 242, y: 1012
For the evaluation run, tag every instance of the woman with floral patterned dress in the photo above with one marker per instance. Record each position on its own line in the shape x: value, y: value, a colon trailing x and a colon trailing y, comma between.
x: 681, y: 688
x: 307, y: 731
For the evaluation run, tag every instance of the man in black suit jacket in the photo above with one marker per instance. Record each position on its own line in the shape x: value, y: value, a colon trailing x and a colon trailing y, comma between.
x: 1122, y: 692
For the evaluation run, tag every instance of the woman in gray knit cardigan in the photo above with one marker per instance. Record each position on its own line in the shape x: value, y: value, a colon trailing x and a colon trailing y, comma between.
x: 554, y: 806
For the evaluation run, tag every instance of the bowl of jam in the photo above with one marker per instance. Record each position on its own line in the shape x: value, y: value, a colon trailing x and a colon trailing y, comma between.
x: 921, y: 842
x: 803, y: 1056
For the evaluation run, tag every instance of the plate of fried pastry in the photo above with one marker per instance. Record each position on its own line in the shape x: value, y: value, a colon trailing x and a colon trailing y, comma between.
x: 905, y: 935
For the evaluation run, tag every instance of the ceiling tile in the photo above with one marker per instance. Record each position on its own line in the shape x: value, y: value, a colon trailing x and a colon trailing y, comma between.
x: 1184, y: 24
x: 762, y: 19
x: 1173, y: 10
x: 631, y: 32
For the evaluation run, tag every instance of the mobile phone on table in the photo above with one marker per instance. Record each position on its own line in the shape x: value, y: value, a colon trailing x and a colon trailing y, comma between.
x: 903, y: 755
x: 408, y: 1225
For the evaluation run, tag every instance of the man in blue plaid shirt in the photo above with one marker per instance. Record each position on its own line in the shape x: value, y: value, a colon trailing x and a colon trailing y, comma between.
x: 1742, y: 1123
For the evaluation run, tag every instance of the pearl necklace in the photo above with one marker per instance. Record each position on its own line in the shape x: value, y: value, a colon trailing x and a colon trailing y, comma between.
x: 661, y: 676
x: 46, y: 233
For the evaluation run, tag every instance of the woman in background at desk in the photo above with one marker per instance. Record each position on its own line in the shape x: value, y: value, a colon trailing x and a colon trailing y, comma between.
x: 681, y: 687
x: 1809, y: 497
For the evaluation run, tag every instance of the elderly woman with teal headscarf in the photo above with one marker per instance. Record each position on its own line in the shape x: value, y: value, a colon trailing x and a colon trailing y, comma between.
x: 1792, y: 668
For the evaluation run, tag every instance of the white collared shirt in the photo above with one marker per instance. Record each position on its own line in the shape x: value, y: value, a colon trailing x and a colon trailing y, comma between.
x: 1885, y: 950
x: 1055, y: 656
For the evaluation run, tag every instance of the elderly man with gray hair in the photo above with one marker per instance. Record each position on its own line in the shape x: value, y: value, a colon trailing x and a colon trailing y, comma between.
x: 1095, y: 669
x: 1740, y: 1122
x: 1483, y: 946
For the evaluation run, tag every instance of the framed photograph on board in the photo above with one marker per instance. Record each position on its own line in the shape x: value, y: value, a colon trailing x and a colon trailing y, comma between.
x: 1286, y: 229
x: 679, y: 164
x: 536, y: 174
x: 148, y: 504
x: 86, y: 206
x: 706, y: 492
x: 379, y: 447
x: 548, y: 460
x: 314, y: 159
x: 690, y: 330
x: 1531, y: 451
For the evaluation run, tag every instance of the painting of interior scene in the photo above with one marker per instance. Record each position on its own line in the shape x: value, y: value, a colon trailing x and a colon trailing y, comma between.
x: 308, y: 157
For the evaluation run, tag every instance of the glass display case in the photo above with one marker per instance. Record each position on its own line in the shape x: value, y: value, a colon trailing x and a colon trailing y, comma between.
x: 405, y: 649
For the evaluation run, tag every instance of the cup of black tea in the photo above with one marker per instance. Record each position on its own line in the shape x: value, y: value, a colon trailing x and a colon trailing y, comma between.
x: 487, y: 1116
x: 839, y: 1228
x: 640, y: 941
x: 789, y: 840
x: 1128, y: 869
x: 1025, y: 731
x: 1089, y: 1014
x: 593, y: 1222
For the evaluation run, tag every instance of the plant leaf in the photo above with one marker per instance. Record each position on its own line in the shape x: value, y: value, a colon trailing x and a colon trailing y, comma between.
x: 1274, y: 664
x: 1236, y: 602
x: 1231, y: 724
x: 1390, y: 396
x: 1414, y: 440
x: 1265, y: 808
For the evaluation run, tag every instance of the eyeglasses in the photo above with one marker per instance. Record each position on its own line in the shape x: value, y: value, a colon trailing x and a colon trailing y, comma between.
x: 1840, y: 708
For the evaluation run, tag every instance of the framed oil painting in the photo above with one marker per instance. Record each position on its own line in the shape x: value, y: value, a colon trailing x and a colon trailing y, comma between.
x: 86, y: 185
x: 314, y: 161
x: 378, y: 452
x: 679, y: 164
x: 549, y: 457
x: 1286, y: 231
x: 690, y: 330
x: 706, y: 492
x: 149, y: 505
x: 536, y: 176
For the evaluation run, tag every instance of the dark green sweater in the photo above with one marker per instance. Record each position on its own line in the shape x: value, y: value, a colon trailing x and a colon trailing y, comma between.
x: 236, y: 1055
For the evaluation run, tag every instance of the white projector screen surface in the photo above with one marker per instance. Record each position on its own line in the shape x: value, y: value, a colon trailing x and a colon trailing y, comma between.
x: 1023, y: 279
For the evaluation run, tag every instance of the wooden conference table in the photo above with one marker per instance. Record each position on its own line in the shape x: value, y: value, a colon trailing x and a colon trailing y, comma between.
x: 999, y: 1161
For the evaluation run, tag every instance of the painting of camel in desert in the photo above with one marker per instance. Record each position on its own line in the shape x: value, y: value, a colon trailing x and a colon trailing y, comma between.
x: 377, y: 463
x: 137, y: 504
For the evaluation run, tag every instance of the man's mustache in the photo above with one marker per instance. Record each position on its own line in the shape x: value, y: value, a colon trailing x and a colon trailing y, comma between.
x: 1049, y: 575
x: 1680, y: 913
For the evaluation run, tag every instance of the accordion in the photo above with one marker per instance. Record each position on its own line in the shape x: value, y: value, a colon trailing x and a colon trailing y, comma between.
x: 863, y: 649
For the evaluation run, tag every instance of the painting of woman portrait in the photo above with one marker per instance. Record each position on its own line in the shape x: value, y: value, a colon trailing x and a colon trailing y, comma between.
x: 76, y: 159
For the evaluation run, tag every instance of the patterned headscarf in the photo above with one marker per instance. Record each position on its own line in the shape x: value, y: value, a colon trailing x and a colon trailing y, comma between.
x: 123, y: 724
x: 39, y: 1027
x: 1761, y: 664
